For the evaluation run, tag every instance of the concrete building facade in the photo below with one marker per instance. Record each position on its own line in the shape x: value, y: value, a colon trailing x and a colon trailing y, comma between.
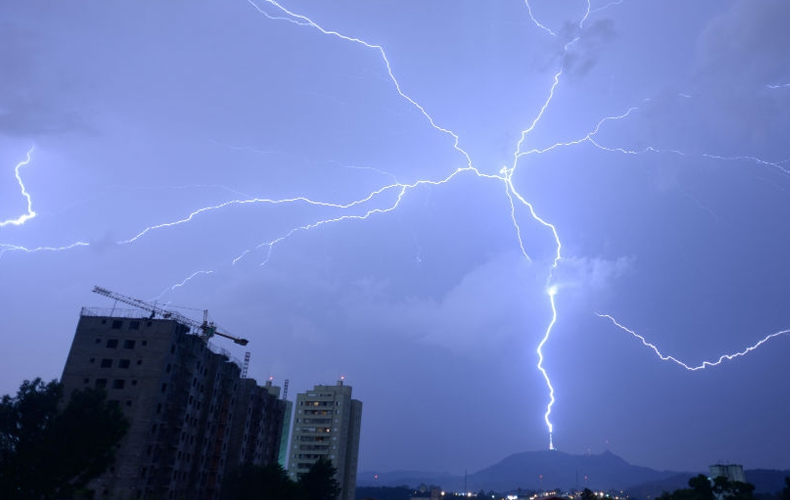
x: 192, y: 418
x: 732, y: 472
x: 326, y: 425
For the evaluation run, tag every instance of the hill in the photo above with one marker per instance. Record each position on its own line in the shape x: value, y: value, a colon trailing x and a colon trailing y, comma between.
x: 550, y: 469
x: 534, y: 470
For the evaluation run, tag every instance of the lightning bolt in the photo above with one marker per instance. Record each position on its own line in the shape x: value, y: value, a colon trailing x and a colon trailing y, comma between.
x: 704, y: 364
x: 183, y: 282
x: 7, y: 247
x: 552, y: 290
x: 546, y: 416
x: 30, y: 213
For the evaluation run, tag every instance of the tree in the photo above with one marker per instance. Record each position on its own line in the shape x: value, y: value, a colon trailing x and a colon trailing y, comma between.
x: 319, y: 482
x: 701, y: 487
x: 732, y: 490
x: 587, y: 494
x: 255, y: 482
x: 49, y: 453
x: 785, y: 493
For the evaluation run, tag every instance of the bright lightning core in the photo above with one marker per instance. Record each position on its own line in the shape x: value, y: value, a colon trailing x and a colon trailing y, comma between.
x: 552, y: 292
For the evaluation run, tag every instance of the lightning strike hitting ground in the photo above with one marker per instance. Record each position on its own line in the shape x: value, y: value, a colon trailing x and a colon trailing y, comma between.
x: 704, y: 364
x: 30, y: 213
x: 505, y: 176
x: 552, y: 292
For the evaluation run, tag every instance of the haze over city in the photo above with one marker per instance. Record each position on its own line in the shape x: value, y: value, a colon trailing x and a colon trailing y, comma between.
x: 417, y: 196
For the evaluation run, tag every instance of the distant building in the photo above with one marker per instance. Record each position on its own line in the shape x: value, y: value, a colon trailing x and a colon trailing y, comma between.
x: 326, y: 425
x: 427, y: 493
x: 193, y: 419
x: 732, y: 472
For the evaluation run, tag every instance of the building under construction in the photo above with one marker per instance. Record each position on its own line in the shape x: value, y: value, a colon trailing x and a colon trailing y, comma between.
x: 193, y: 417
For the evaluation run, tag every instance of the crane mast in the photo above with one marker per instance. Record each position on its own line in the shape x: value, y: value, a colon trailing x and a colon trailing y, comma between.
x: 207, y: 327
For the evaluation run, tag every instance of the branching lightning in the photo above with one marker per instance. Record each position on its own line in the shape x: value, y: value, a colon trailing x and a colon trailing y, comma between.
x: 506, y: 174
x: 704, y: 364
x: 30, y: 213
x: 394, y: 192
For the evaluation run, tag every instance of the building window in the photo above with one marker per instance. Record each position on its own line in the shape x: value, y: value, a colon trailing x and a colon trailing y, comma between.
x: 86, y: 380
x: 117, y: 324
x: 134, y: 381
x: 124, y: 363
x: 128, y: 402
x: 101, y: 383
x: 167, y: 369
x: 118, y: 383
x: 93, y: 360
x: 106, y: 363
x: 128, y: 344
x: 134, y: 325
x: 164, y: 387
x: 112, y: 343
x: 144, y: 342
x: 139, y: 362
x: 98, y: 341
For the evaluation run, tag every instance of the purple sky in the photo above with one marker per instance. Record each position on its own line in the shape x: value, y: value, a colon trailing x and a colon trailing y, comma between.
x: 372, y: 221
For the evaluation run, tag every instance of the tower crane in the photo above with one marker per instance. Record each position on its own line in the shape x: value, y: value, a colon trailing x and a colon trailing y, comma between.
x: 208, y: 328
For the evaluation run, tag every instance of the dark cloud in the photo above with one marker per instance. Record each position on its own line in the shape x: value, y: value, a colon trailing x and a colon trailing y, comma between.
x: 583, y: 55
x: 747, y: 45
x: 35, y: 96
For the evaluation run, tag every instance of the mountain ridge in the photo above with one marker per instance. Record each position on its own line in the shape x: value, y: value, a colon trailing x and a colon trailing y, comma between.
x: 550, y: 469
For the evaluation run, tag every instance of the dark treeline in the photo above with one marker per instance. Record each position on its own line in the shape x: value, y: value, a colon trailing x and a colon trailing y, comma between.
x: 271, y: 482
x: 720, y: 488
x: 49, y: 450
